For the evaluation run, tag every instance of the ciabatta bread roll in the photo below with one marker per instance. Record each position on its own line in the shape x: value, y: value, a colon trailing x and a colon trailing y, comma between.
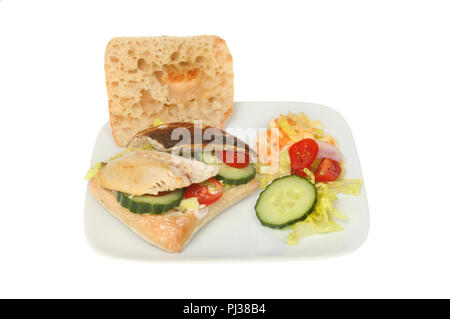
x: 175, y: 79
x: 171, y: 230
x: 146, y: 188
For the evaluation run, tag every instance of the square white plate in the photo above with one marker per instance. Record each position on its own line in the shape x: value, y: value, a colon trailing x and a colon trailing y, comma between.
x: 236, y: 234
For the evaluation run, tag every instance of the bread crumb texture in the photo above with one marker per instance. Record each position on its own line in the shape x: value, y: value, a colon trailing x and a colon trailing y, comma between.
x: 176, y: 79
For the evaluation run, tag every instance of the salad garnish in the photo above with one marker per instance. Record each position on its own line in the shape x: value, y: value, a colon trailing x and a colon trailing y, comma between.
x: 296, y: 145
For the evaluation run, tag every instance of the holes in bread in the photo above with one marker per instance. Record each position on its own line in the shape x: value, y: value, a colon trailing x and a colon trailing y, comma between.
x: 184, y: 65
x: 142, y: 65
x: 116, y: 119
x: 160, y: 77
x: 183, y: 85
x: 174, y: 56
x: 146, y: 102
x: 132, y: 83
x: 136, y: 109
x: 125, y: 101
x: 200, y: 59
x: 175, y: 76
x: 193, y: 74
x: 183, y: 81
x: 172, y: 109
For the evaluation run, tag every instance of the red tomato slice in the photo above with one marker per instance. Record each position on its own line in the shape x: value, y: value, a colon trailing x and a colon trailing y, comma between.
x: 195, y: 190
x: 204, y: 196
x: 233, y: 158
x: 328, y: 170
x: 302, y: 154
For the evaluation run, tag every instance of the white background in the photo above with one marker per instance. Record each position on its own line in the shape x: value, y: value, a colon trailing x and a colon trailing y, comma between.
x: 384, y: 65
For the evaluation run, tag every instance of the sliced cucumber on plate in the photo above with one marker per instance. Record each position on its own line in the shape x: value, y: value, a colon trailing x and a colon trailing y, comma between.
x: 227, y: 174
x: 150, y: 204
x: 236, y: 176
x: 208, y: 157
x: 285, y: 201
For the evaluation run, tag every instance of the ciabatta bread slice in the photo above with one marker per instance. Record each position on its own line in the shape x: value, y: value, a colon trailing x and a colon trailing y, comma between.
x: 171, y: 230
x: 176, y: 79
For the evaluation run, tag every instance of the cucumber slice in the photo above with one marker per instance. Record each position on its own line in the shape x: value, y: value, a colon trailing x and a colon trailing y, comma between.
x: 208, y: 157
x: 147, y: 204
x: 236, y: 176
x: 229, y: 175
x: 285, y: 201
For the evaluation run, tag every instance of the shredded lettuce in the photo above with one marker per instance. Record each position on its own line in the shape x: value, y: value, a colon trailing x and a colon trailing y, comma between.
x: 297, y: 127
x: 157, y: 122
x: 285, y: 163
x: 267, y: 169
x: 227, y: 186
x: 147, y: 147
x: 189, y: 204
x: 318, y: 133
x: 308, y: 228
x: 267, y: 173
x: 93, y: 171
x: 266, y: 179
x: 120, y: 154
x: 286, y: 127
x: 321, y: 219
x: 309, y: 175
x: 346, y: 186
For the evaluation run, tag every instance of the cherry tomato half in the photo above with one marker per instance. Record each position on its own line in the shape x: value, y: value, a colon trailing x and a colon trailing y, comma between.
x: 201, y: 191
x: 302, y: 154
x: 328, y: 170
x: 233, y: 158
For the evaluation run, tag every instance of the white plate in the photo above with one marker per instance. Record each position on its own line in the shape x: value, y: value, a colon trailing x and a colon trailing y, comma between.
x: 236, y: 234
